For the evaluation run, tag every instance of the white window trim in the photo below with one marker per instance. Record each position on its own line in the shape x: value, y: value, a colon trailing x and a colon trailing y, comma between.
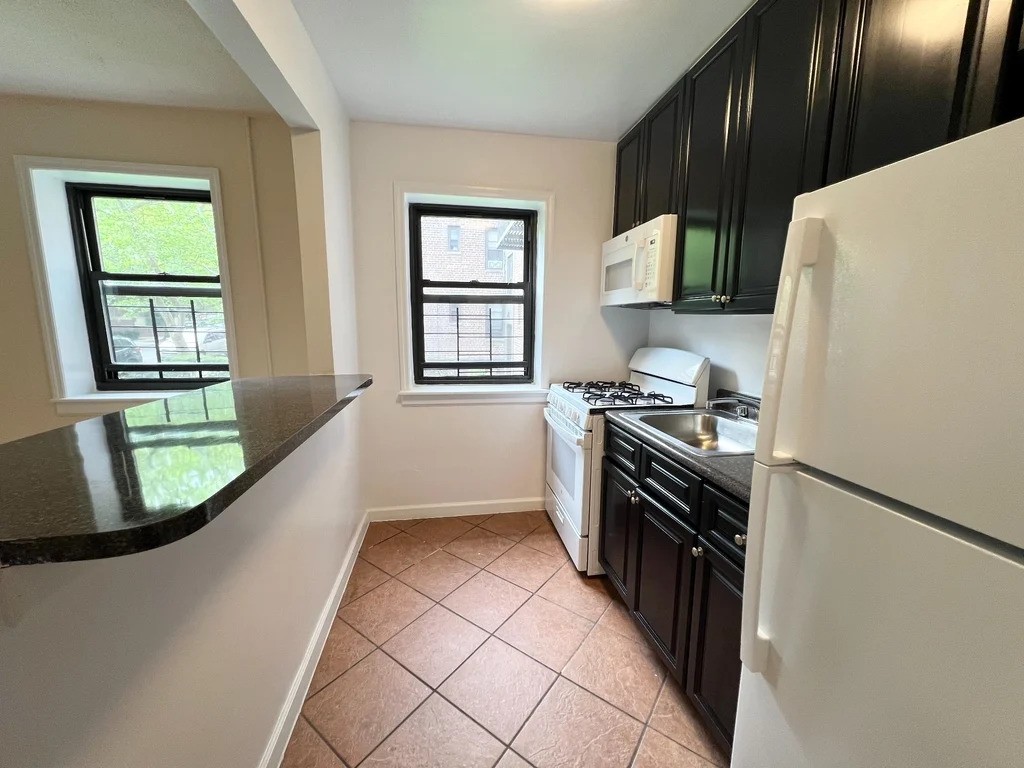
x: 73, y: 389
x: 468, y: 394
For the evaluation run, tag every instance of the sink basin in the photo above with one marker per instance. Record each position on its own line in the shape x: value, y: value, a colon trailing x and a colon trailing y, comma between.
x: 705, y: 432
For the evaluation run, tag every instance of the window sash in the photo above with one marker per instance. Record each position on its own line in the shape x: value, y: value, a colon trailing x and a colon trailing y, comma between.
x: 419, y: 297
x: 92, y: 275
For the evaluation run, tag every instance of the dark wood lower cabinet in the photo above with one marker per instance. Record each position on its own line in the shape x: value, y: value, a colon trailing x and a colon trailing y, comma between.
x: 663, y: 575
x: 618, y: 509
x: 713, y: 675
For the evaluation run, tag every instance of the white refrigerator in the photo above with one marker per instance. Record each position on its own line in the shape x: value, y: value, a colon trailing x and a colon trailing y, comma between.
x: 883, y: 615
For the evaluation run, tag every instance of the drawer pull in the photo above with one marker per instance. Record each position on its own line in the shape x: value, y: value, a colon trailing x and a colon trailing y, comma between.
x: 697, y: 551
x: 740, y: 539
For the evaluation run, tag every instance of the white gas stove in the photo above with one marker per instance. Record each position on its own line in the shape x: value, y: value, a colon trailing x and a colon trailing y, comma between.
x: 658, y: 377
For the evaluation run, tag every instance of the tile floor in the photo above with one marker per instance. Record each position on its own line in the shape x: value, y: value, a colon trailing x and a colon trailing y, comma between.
x: 472, y: 641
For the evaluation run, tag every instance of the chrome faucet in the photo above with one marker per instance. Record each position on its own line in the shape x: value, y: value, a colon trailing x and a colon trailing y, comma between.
x: 733, y: 404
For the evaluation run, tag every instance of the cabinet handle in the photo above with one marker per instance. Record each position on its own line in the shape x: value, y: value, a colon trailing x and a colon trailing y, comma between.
x: 740, y: 539
x: 697, y: 551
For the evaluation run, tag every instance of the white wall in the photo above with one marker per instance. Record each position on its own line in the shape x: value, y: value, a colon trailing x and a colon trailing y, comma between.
x: 194, y: 654
x: 479, y: 454
x: 736, y: 344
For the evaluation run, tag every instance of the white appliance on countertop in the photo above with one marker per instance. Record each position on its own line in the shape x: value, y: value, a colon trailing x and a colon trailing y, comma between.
x: 883, y: 605
x: 638, y: 266
x: 658, y: 376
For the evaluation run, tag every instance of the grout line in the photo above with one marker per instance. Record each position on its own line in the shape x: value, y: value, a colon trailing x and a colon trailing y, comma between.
x: 322, y: 738
x: 636, y: 749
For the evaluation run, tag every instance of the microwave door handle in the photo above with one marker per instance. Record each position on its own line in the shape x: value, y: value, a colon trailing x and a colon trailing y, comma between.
x: 561, y: 431
x: 639, y: 265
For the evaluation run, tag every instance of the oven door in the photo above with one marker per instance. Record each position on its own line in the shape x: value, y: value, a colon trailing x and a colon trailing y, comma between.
x: 568, y: 470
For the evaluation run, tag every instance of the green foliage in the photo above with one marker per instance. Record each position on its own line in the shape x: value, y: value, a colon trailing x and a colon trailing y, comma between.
x: 153, y: 236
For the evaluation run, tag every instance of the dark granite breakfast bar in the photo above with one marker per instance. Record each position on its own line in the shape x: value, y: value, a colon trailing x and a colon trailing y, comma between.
x: 150, y: 475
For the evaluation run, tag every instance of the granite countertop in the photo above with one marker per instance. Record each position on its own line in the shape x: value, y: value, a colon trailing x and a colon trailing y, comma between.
x: 730, y: 473
x: 147, y: 476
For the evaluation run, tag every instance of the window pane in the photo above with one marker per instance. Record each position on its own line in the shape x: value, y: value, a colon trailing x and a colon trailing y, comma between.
x: 156, y: 236
x: 433, y: 291
x: 489, y: 250
x: 150, y: 323
x: 473, y: 333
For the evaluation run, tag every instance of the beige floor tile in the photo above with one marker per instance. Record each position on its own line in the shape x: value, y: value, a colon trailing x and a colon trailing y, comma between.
x: 526, y: 567
x: 307, y: 750
x: 511, y: 760
x: 435, y: 644
x: 378, y: 532
x: 572, y: 728
x: 404, y: 525
x: 440, y: 530
x: 397, y: 553
x: 364, y: 578
x: 359, y: 709
x: 617, y: 619
x: 486, y: 600
x: 547, y: 632
x: 479, y: 547
x: 344, y: 647
x: 585, y: 595
x: 675, y: 717
x: 512, y: 525
x: 437, y: 736
x: 383, y: 612
x: 474, y: 519
x: 438, y: 574
x: 548, y: 541
x: 498, y: 687
x: 619, y: 670
x: 657, y: 751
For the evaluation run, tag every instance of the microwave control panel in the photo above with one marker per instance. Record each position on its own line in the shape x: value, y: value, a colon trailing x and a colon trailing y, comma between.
x: 651, y: 259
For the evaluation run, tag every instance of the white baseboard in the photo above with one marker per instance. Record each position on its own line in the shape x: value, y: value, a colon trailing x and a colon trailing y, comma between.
x: 274, y: 753
x: 456, y: 509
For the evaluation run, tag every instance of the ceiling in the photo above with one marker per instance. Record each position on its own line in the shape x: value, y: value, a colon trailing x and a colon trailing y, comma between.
x: 139, y: 51
x: 579, y: 68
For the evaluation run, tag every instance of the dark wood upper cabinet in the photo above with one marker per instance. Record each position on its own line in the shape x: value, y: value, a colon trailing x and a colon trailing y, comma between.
x: 705, y: 214
x: 914, y: 76
x: 789, y: 52
x: 713, y: 674
x: 628, y: 180
x: 618, y: 510
x: 663, y: 579
x: 663, y: 125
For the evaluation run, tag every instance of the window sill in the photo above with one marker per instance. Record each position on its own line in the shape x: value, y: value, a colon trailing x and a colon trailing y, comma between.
x: 99, y: 403
x: 469, y: 395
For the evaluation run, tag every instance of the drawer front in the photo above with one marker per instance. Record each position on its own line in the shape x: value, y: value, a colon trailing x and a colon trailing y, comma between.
x: 623, y: 447
x: 670, y: 483
x: 722, y: 520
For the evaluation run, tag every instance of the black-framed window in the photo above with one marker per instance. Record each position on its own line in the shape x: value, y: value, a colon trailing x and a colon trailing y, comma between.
x: 147, y: 258
x: 473, y: 314
x: 454, y: 234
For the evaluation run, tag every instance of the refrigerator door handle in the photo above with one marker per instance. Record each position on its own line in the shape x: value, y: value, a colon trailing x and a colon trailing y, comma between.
x: 754, y: 641
x: 802, y: 246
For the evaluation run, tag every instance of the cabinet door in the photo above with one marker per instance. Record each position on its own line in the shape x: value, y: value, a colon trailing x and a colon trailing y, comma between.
x: 618, y: 509
x: 628, y: 180
x: 789, y: 47
x: 663, y: 579
x: 902, y: 84
x: 705, y: 221
x: 713, y: 674
x: 661, y: 155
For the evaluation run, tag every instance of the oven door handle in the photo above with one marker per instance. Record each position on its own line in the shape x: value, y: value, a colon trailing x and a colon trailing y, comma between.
x: 573, y: 438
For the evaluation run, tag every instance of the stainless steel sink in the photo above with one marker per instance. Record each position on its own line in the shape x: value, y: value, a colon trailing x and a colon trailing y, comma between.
x: 708, y: 433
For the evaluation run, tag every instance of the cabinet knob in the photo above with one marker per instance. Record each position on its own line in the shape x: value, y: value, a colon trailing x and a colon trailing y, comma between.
x: 726, y: 299
x: 634, y: 497
x: 697, y: 551
x: 740, y: 539
x: 716, y: 299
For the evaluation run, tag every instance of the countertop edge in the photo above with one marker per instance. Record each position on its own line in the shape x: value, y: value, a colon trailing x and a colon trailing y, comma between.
x: 705, y: 466
x: 106, y: 544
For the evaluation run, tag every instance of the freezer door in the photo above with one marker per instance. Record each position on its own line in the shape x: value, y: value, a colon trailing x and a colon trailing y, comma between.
x: 890, y: 643
x: 898, y: 364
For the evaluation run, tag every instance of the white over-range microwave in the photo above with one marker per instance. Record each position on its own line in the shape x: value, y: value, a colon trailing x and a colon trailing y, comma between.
x: 638, y: 266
